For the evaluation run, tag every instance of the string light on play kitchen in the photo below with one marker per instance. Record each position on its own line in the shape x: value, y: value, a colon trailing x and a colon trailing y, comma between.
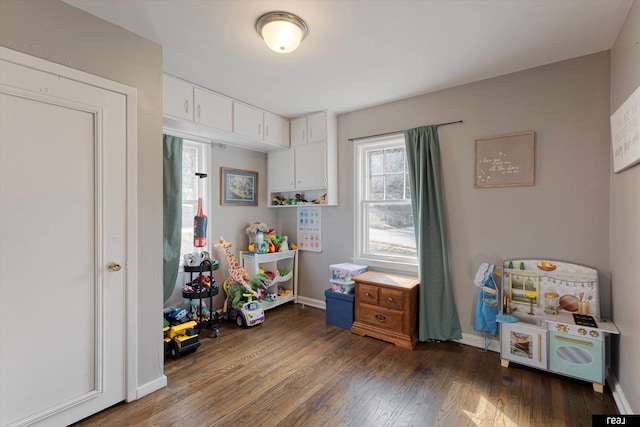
x: 281, y: 31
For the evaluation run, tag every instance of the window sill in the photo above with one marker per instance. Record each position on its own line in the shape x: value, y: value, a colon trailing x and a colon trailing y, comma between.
x: 391, y: 266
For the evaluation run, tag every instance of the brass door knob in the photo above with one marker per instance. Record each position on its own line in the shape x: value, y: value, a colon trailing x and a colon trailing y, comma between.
x: 115, y: 266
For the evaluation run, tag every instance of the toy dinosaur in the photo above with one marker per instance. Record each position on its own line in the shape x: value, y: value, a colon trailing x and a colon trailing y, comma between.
x: 237, y: 273
x: 237, y: 294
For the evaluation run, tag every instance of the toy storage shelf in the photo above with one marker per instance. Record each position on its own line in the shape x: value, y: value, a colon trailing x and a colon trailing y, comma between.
x: 207, y: 268
x: 275, y: 262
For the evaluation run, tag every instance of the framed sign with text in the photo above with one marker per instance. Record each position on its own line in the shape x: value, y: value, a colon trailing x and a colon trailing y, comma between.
x: 504, y: 160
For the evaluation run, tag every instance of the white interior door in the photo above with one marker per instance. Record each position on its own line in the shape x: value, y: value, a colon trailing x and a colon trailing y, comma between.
x: 62, y: 226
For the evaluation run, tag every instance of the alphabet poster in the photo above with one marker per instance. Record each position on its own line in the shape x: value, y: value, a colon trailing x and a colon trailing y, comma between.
x: 625, y: 133
x: 310, y: 228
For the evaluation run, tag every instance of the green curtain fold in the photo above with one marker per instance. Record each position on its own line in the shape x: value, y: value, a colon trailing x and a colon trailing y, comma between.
x: 437, y: 314
x: 171, y: 210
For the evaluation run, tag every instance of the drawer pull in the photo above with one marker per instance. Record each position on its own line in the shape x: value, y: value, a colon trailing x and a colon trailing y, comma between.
x: 367, y: 294
x: 390, y: 299
x: 380, y: 318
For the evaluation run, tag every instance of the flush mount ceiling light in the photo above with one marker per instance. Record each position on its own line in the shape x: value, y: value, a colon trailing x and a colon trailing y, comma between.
x: 281, y: 31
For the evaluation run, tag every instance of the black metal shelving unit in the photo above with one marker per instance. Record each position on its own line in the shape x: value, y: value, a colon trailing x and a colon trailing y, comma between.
x: 206, y: 267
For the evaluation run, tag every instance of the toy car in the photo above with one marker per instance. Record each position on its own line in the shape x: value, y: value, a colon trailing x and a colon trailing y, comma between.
x: 180, y: 339
x: 175, y: 315
x: 251, y: 314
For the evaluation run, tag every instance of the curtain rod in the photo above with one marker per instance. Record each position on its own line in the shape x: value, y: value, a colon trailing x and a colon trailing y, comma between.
x: 399, y: 131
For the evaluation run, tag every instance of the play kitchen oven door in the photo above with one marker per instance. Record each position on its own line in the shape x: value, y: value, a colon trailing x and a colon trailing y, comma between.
x: 524, y: 344
x: 577, y: 355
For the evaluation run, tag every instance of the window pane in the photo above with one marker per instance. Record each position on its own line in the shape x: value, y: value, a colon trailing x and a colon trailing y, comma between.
x: 189, y: 163
x: 375, y: 162
x: 394, y: 187
x: 407, y: 187
x: 394, y: 160
x: 391, y: 230
x: 376, y: 188
x: 188, y: 212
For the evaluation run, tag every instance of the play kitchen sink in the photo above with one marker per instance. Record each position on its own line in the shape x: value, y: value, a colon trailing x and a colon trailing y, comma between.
x: 558, y: 325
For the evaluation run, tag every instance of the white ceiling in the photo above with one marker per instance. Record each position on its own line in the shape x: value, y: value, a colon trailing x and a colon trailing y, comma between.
x: 361, y: 53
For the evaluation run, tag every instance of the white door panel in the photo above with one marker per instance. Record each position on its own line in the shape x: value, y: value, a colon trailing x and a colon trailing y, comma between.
x: 62, y: 222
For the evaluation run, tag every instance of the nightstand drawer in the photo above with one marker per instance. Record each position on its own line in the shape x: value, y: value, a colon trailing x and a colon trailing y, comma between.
x: 391, y: 298
x: 368, y: 294
x: 382, y: 318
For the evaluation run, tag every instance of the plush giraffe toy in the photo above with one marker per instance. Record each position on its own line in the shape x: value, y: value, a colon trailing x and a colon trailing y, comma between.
x: 238, y: 274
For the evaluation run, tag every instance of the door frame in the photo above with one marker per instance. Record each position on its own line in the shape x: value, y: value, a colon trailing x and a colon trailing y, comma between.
x: 131, y: 242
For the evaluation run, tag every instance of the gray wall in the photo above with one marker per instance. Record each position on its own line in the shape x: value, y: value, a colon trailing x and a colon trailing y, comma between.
x: 565, y: 216
x: 63, y: 34
x: 625, y: 215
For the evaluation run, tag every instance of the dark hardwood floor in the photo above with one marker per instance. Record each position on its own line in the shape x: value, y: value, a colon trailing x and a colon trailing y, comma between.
x: 294, y: 370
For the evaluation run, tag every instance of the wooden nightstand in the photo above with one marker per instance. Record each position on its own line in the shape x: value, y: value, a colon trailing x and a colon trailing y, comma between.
x: 386, y: 308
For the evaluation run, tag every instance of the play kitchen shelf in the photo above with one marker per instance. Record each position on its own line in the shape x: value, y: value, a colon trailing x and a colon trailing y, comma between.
x: 284, y: 266
x: 558, y: 327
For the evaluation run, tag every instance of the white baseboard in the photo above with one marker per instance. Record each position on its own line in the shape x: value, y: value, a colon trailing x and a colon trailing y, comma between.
x: 312, y: 302
x: 150, y: 387
x: 618, y: 395
x: 477, y: 341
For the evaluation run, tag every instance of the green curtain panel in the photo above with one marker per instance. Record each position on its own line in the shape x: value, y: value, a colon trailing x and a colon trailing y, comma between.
x: 171, y: 210
x: 437, y: 314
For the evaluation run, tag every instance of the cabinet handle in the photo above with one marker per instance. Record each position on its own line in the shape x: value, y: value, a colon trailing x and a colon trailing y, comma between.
x: 266, y: 131
x: 198, y: 111
x: 259, y: 129
x: 539, y: 348
x: 575, y: 341
x: 380, y: 318
x: 186, y: 105
x: 310, y: 133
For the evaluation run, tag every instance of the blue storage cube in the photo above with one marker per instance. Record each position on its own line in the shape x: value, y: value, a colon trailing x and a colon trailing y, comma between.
x: 339, y: 309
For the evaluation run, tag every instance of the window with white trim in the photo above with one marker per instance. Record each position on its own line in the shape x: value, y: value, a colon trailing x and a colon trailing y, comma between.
x: 384, y: 218
x: 195, y: 158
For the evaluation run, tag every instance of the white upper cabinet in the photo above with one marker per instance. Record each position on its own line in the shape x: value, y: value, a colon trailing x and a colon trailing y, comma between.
x: 212, y: 109
x: 177, y: 98
x: 310, y: 166
x: 194, y: 110
x: 298, y: 131
x: 247, y: 121
x: 281, y: 171
x: 276, y: 130
x: 311, y: 128
x: 317, y: 127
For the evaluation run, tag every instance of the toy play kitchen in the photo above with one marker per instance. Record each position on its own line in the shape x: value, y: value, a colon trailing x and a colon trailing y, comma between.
x: 550, y: 319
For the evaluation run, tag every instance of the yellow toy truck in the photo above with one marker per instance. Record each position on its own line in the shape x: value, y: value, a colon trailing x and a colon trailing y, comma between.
x: 180, y: 339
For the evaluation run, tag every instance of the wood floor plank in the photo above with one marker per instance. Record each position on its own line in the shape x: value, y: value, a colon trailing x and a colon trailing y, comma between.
x: 294, y: 370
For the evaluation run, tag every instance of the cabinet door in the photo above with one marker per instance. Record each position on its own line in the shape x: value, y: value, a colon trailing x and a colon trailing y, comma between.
x: 212, y: 110
x: 526, y: 345
x: 316, y: 124
x: 177, y: 98
x: 580, y: 357
x: 280, y: 171
x: 276, y: 130
x: 311, y: 165
x: 247, y: 121
x: 299, y: 131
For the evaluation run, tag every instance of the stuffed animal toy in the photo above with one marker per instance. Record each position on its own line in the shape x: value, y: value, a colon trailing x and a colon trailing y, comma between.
x: 257, y: 227
x: 236, y: 292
